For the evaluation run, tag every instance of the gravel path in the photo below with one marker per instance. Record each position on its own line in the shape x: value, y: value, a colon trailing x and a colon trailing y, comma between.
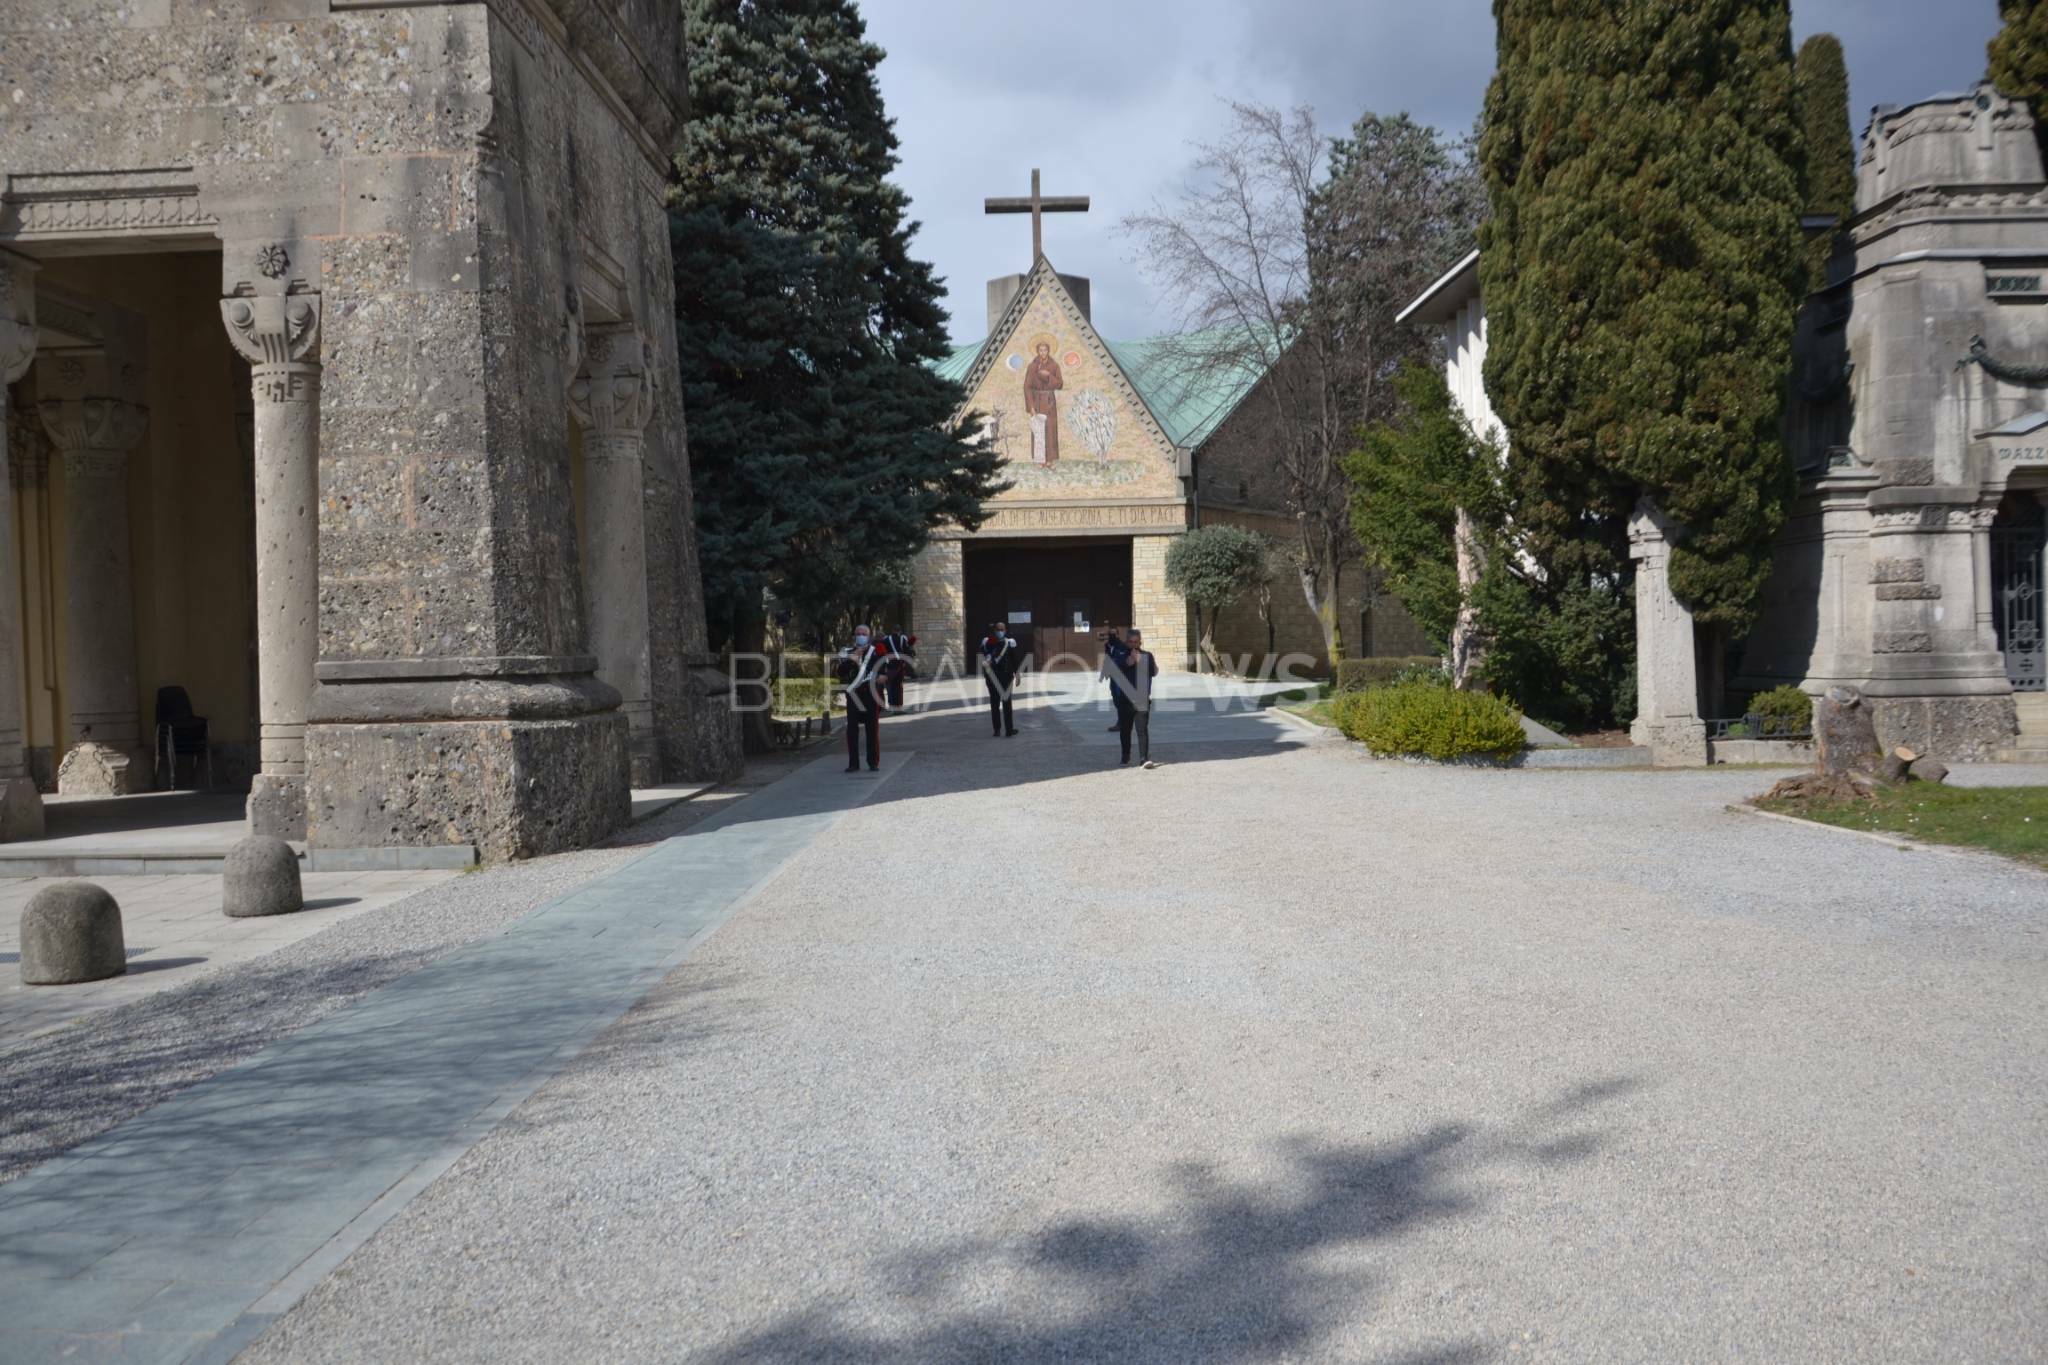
x: 1275, y: 1054
x: 64, y: 1087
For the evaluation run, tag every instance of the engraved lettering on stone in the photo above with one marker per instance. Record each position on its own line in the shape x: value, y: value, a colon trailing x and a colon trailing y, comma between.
x: 1890, y: 569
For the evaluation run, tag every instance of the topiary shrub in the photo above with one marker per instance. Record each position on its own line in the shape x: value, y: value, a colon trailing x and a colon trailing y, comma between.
x: 1355, y: 675
x: 1425, y: 720
x: 1786, y: 712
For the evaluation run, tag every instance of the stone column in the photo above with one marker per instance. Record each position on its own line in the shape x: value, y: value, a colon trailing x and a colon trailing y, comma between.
x: 94, y: 430
x: 1667, y: 677
x: 21, y: 806
x: 612, y: 401
x: 280, y: 336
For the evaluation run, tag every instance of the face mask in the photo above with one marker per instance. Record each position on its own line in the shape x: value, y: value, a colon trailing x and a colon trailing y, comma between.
x: 1000, y: 634
x: 860, y: 642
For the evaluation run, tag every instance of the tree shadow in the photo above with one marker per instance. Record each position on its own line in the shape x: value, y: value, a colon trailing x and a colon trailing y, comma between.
x: 1232, y: 1270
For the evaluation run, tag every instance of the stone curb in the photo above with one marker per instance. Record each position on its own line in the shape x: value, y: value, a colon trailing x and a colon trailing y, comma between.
x: 1903, y: 845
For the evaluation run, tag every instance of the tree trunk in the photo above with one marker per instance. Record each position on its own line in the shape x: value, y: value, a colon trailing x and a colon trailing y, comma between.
x: 1467, y: 650
x: 755, y: 699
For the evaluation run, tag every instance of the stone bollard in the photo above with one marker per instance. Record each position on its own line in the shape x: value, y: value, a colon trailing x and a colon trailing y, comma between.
x: 71, y: 932
x: 261, y: 877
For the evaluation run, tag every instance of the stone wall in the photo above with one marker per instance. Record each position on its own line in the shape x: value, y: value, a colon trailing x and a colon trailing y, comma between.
x: 1161, y: 613
x: 938, y: 608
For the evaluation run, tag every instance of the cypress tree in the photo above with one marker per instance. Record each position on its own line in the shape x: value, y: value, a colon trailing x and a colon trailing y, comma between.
x: 2019, y: 54
x: 1823, y: 81
x: 821, y: 442
x: 1642, y: 265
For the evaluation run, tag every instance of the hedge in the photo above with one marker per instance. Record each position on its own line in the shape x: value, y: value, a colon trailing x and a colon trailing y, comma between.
x: 1785, y: 710
x: 796, y: 664
x: 1355, y: 675
x: 1422, y: 719
x: 802, y: 696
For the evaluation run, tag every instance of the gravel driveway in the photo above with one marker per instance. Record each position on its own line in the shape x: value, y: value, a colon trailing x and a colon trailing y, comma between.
x: 1275, y: 1053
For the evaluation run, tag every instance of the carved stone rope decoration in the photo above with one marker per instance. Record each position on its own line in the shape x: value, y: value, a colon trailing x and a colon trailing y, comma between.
x: 1980, y: 354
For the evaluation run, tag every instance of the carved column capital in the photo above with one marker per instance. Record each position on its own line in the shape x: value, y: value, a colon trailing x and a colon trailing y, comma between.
x: 273, y: 329
x: 93, y: 434
x: 614, y: 396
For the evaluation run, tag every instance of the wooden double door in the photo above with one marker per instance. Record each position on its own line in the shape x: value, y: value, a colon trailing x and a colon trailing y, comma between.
x: 1055, y: 597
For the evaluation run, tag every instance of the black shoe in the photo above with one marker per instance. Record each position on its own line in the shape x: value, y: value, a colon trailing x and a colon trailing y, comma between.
x: 1008, y: 733
x: 1123, y: 763
x: 853, y: 767
x: 1112, y: 725
x: 874, y: 767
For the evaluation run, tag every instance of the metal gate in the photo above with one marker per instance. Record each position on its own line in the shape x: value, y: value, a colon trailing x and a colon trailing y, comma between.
x: 2017, y: 590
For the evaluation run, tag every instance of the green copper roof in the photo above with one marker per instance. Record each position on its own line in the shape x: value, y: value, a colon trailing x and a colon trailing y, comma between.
x: 1189, y: 397
x: 956, y: 365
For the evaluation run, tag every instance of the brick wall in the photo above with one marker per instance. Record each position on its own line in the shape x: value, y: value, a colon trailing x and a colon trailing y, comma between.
x: 1156, y: 609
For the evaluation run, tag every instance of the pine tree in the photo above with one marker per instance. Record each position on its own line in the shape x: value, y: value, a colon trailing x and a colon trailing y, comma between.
x: 821, y: 442
x: 1641, y: 267
x: 2019, y: 54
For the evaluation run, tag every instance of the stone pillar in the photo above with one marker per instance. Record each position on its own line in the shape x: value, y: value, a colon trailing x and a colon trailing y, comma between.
x: 280, y: 336
x: 94, y: 433
x: 612, y: 401
x: 938, y: 609
x: 21, y: 806
x: 1667, y: 678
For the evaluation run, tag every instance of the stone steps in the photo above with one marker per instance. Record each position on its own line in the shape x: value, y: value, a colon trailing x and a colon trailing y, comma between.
x: 2031, y: 746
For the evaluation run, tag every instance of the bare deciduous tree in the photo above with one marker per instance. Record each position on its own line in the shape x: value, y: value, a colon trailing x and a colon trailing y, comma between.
x: 1232, y: 248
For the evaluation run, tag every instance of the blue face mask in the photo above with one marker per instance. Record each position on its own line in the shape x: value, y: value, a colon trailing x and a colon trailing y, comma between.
x: 860, y: 642
x: 1001, y: 633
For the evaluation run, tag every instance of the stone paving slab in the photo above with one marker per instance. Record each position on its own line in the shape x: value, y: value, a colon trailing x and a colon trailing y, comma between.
x: 175, y: 932
x: 181, y: 1234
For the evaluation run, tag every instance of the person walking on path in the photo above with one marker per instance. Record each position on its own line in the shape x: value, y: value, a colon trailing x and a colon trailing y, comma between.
x: 1130, y: 687
x: 859, y: 670
x: 1001, y: 656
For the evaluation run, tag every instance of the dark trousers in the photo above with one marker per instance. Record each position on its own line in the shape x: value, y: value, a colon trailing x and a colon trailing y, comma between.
x: 1129, y: 718
x: 895, y: 689
x: 1001, y: 708
x: 861, y: 720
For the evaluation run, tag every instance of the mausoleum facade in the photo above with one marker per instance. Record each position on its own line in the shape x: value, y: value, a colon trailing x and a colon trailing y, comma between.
x: 341, y: 395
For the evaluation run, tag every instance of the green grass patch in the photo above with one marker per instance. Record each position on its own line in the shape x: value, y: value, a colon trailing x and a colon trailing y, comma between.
x: 1318, y: 711
x: 2008, y: 820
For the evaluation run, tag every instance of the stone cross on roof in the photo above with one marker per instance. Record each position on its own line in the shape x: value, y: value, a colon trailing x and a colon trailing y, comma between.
x: 1037, y: 205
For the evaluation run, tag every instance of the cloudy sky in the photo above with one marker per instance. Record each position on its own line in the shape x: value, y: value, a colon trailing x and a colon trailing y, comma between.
x: 1106, y: 96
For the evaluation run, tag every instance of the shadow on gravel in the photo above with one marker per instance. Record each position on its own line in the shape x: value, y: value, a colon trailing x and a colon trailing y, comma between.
x: 1229, y: 1272
x: 62, y: 1087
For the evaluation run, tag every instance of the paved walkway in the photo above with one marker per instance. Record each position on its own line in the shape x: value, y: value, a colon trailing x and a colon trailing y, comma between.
x: 182, y: 1232
x: 1272, y: 1053
x: 176, y: 933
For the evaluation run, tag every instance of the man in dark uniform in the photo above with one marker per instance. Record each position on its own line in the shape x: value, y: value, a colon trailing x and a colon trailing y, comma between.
x: 1131, y: 671
x: 1001, y: 656
x: 901, y: 648
x: 859, y: 670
